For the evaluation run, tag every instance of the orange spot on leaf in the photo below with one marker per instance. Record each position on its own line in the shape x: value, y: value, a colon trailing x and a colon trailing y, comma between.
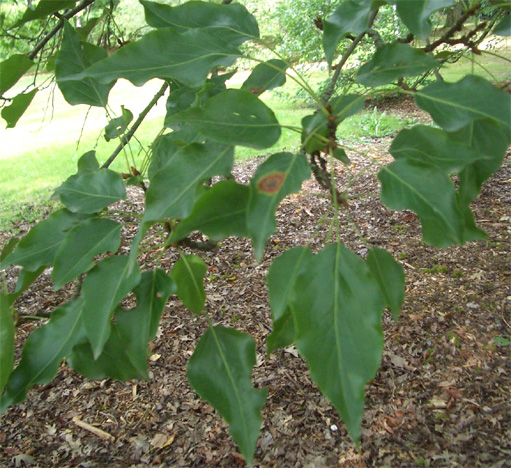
x: 271, y: 183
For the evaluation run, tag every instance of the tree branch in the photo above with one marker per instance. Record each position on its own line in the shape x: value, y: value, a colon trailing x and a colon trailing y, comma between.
x: 126, y: 138
x: 84, y: 4
x: 329, y: 91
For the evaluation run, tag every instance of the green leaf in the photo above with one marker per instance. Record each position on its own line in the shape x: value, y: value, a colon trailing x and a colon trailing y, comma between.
x: 390, y: 277
x: 25, y: 279
x: 352, y: 16
x: 13, y: 112
x: 90, y: 238
x: 39, y: 246
x: 341, y: 155
x: 173, y: 188
x: 112, y: 363
x: 12, y: 69
x: 187, y: 57
x: 89, y: 193
x: 6, y: 341
x: 116, y: 127
x: 429, y: 192
x: 234, y: 117
x: 85, y: 30
x: 43, y: 352
x: 124, y: 356
x: 455, y: 105
x: 280, y: 175
x: 491, y: 141
x: 219, y: 371
x: 103, y: 288
x: 88, y: 162
x: 504, y: 27
x: 337, y: 310
x: 165, y: 146
x: 265, y: 76
x: 316, y: 127
x: 43, y: 9
x: 8, y: 248
x: 188, y: 273
x: 393, y: 61
x: 233, y: 21
x: 219, y: 213
x: 432, y: 145
x: 281, y: 281
x: 415, y: 15
x: 73, y: 58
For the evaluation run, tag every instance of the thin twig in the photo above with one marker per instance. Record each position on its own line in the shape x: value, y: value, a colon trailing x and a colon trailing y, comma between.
x: 58, y: 27
x: 331, y: 86
x: 126, y: 138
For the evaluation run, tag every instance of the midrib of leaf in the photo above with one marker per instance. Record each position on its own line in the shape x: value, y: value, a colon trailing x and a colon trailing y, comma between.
x: 39, y: 252
x: 231, y: 379
x: 229, y: 124
x: 89, y: 194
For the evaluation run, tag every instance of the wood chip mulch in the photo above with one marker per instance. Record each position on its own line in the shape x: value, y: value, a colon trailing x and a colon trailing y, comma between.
x: 441, y: 397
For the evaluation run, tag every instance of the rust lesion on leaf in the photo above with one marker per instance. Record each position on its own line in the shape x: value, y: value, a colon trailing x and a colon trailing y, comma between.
x: 271, y: 183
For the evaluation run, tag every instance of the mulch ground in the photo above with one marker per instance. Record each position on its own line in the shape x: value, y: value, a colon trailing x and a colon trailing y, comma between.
x: 440, y: 399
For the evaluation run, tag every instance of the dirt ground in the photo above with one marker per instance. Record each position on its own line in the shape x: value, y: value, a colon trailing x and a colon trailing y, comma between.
x: 440, y: 399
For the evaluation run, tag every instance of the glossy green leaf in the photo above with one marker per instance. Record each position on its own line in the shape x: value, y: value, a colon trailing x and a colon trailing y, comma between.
x: 188, y: 273
x: 489, y: 140
x: 43, y: 9
x: 43, y: 352
x: 281, y: 280
x: 113, y: 362
x: 234, y: 117
x: 39, y: 246
x: 187, y: 57
x: 124, y: 356
x: 116, y: 127
x: 103, y: 288
x: 504, y: 27
x: 429, y: 192
x: 280, y: 175
x: 219, y: 371
x: 173, y: 188
x: 6, y: 341
x: 165, y: 146
x: 25, y: 279
x: 352, y: 16
x: 316, y: 127
x: 89, y: 193
x: 432, y: 145
x: 415, y: 14
x: 73, y: 58
x: 12, y: 69
x: 86, y: 29
x: 90, y: 238
x: 233, y: 22
x: 265, y: 76
x: 219, y: 213
x: 88, y: 162
x: 341, y: 155
x: 455, y: 105
x: 8, y: 248
x: 13, y: 112
x: 337, y: 309
x: 393, y: 61
x: 390, y: 277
